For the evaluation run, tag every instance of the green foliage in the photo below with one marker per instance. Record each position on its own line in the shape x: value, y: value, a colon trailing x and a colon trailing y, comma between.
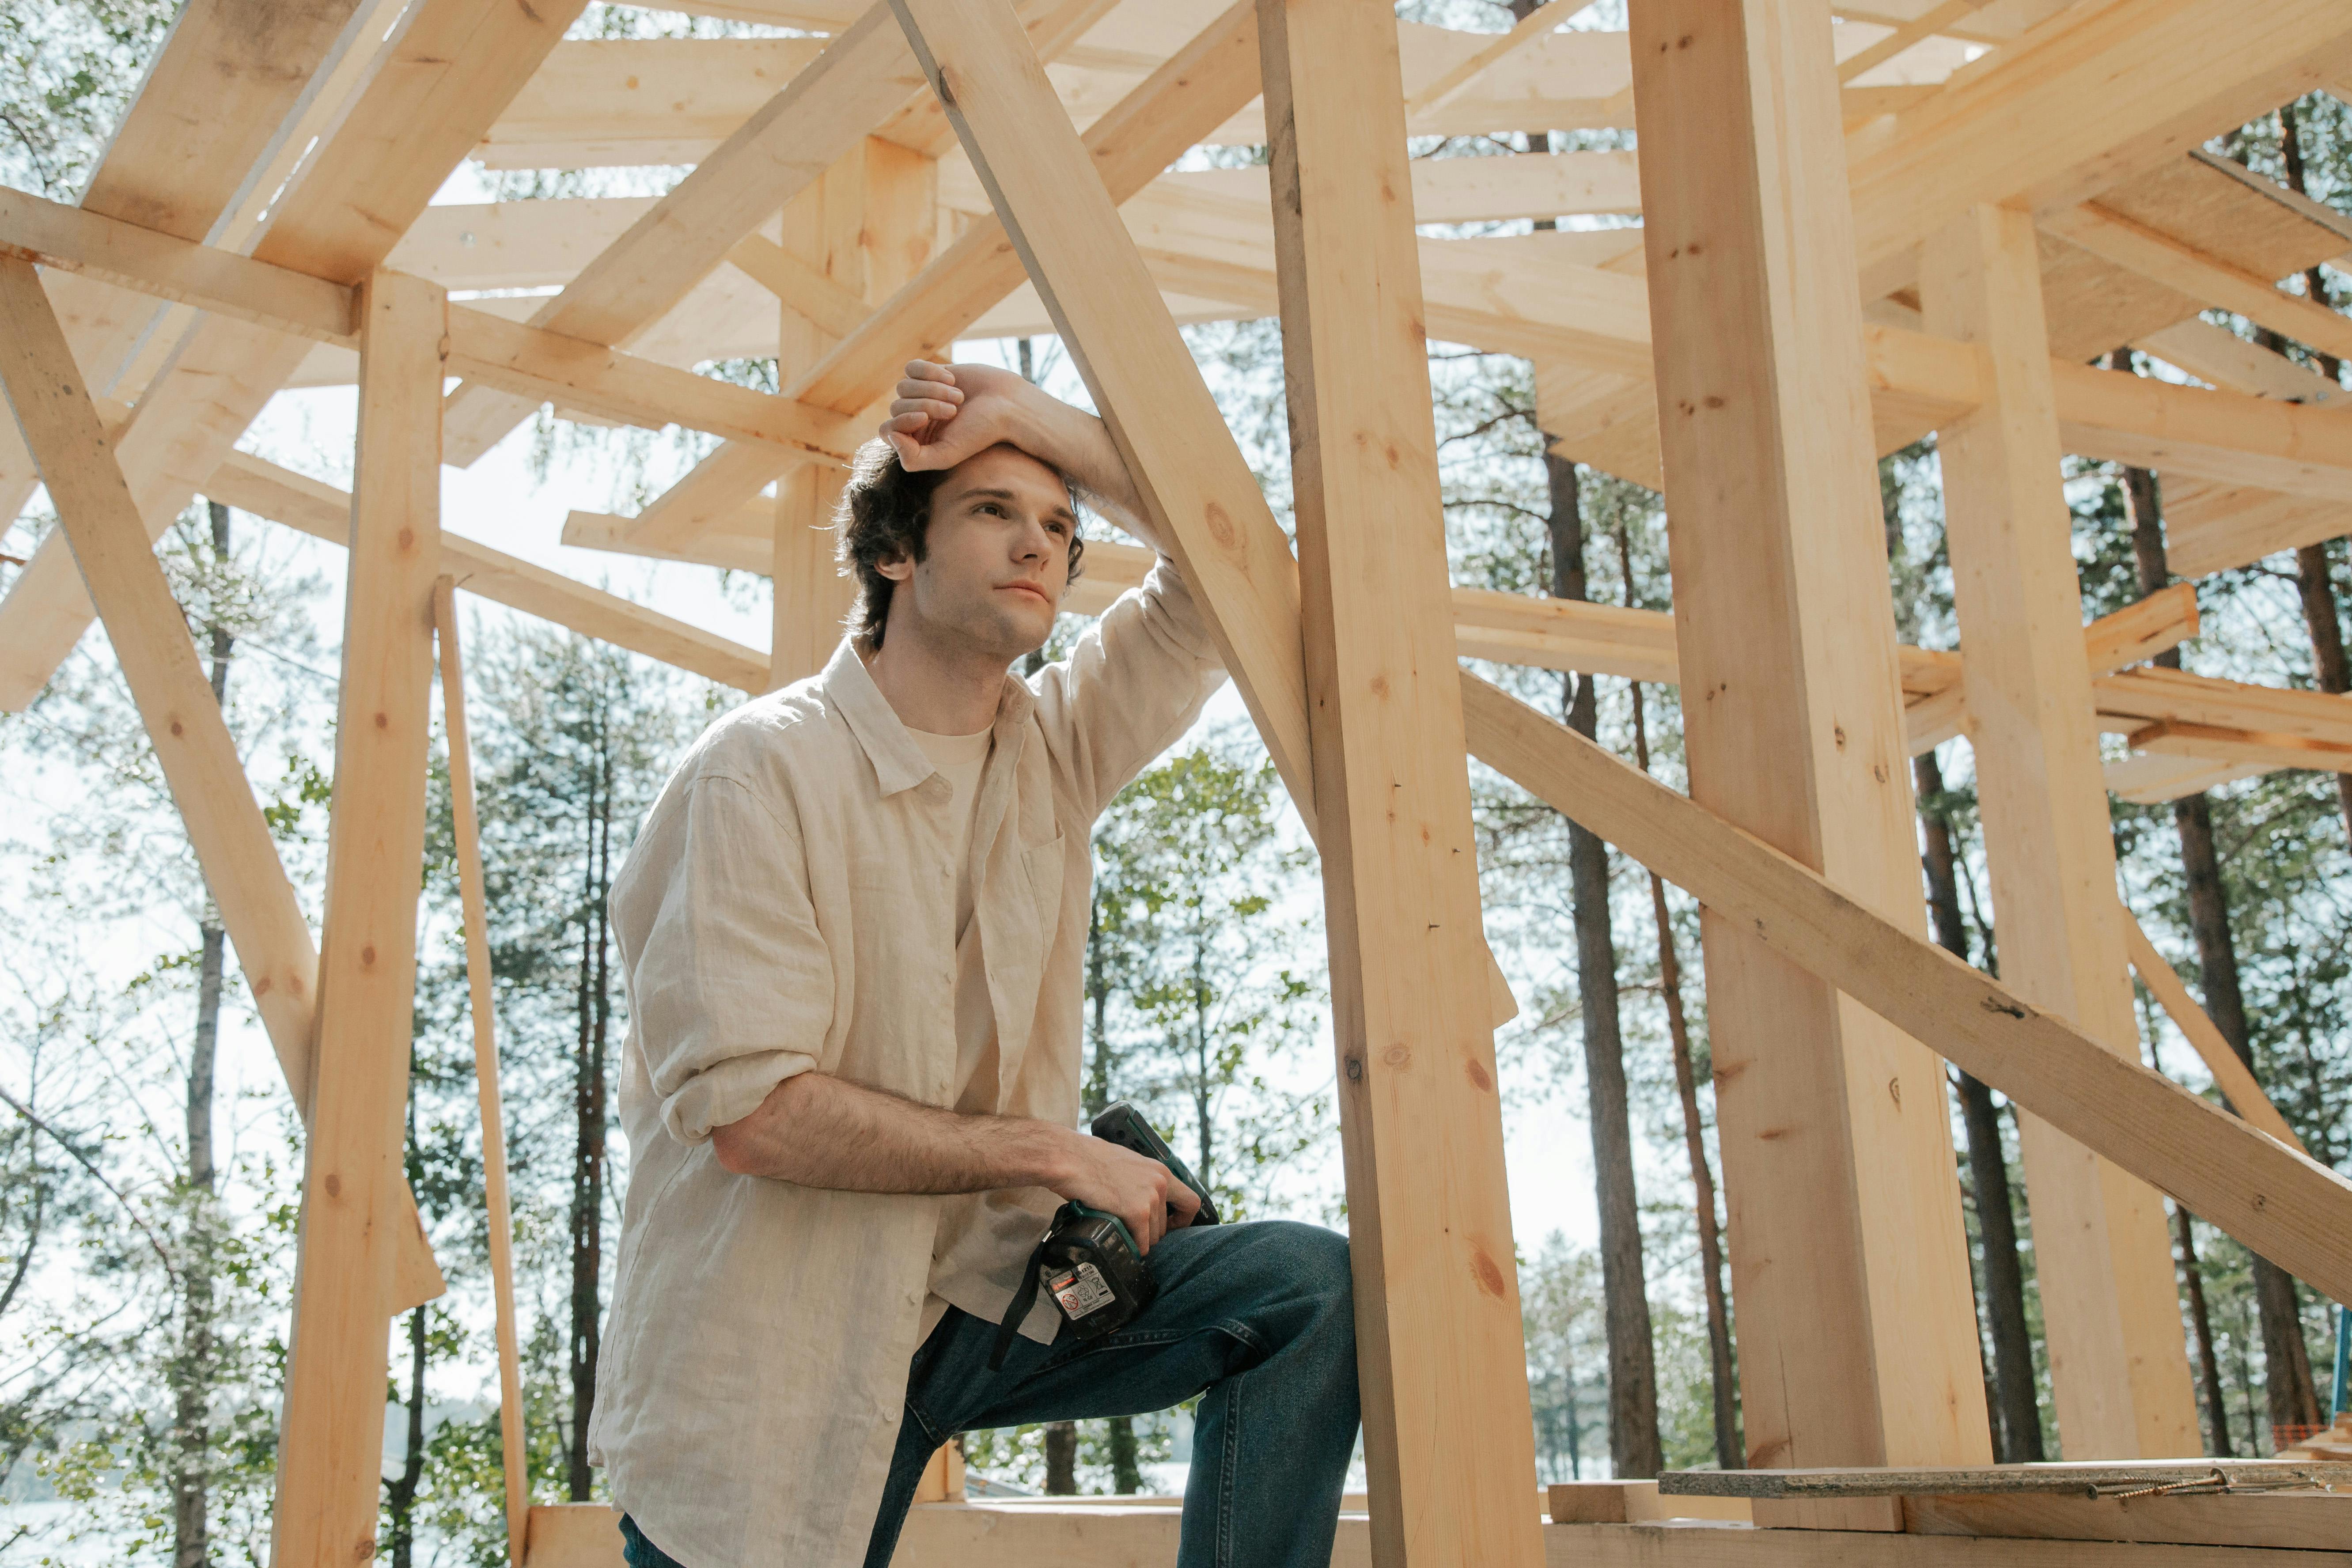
x: 68, y: 70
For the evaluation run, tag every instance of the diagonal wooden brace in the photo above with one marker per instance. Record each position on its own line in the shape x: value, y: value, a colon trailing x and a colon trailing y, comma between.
x: 224, y: 825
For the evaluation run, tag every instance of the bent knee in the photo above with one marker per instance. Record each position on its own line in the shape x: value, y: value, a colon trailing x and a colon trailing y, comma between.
x: 1315, y: 1260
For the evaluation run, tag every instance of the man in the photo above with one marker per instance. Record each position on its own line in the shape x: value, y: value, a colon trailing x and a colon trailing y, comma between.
x: 852, y: 931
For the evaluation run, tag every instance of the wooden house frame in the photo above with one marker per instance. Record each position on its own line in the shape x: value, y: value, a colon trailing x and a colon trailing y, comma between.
x: 2016, y: 187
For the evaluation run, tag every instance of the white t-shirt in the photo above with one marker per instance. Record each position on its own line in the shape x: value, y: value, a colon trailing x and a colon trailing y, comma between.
x: 962, y: 759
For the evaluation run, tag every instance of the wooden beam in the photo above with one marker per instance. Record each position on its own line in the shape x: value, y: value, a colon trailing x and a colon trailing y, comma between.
x: 2218, y: 356
x: 1449, y: 83
x: 2121, y: 1383
x: 130, y: 256
x: 432, y: 88
x: 2265, y: 1193
x: 1086, y: 1529
x: 225, y: 825
x: 2312, y: 1523
x: 576, y: 374
x: 2142, y: 697
x: 2152, y: 253
x: 1909, y: 34
x: 804, y: 289
x: 331, y: 1449
x: 2212, y: 526
x: 320, y: 510
x: 1439, y: 1344
x: 473, y: 905
x: 2230, y: 1076
x: 2043, y: 124
x: 2223, y: 435
x: 2271, y: 749
x: 1835, y: 1146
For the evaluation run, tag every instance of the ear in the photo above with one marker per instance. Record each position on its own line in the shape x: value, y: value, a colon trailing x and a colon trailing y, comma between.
x: 898, y: 568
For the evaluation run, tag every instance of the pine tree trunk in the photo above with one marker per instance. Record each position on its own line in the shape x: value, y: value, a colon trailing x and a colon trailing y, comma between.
x: 193, y: 1372
x: 1061, y: 1458
x: 2287, y: 1384
x: 1633, y: 1446
x: 401, y: 1491
x: 2017, y: 1426
x: 595, y: 1008
x: 2208, y: 1365
x: 1126, y: 1463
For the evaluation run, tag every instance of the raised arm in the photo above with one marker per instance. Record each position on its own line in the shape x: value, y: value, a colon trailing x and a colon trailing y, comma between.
x: 816, y: 1130
x: 943, y: 413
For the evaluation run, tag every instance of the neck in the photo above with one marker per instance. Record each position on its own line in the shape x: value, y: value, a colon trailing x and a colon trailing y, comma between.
x: 941, y: 690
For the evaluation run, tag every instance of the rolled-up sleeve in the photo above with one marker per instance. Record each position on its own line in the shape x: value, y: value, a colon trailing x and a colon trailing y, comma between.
x: 731, y: 984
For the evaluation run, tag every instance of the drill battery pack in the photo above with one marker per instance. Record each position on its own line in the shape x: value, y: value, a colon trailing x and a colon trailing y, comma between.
x: 1088, y: 1262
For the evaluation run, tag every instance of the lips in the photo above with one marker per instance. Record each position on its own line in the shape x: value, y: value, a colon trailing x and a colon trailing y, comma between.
x: 1027, y: 588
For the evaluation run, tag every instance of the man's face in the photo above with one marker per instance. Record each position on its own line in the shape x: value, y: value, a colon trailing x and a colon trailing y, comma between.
x: 996, y: 558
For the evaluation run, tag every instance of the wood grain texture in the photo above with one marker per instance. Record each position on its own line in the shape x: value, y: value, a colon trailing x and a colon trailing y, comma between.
x: 1856, y: 1311
x: 331, y: 1448
x: 1439, y: 1348
x: 2120, y: 1378
x: 2230, y: 1076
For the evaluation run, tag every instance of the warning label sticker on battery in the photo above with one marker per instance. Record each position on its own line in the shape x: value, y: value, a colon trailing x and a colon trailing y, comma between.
x: 1080, y: 1291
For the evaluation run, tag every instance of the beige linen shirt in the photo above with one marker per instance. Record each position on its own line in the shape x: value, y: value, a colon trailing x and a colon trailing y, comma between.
x: 789, y: 907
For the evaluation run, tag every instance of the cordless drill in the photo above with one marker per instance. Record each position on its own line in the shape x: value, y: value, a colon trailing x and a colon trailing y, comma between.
x: 1088, y: 1262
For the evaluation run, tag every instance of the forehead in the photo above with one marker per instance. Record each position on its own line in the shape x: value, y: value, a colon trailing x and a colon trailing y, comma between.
x: 1007, y: 468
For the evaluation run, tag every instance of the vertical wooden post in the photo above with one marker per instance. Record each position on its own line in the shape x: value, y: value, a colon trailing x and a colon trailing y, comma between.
x: 869, y: 224
x: 467, y: 830
x: 1448, y: 1441
x: 1857, y: 1333
x: 2119, y: 1370
x: 331, y: 1445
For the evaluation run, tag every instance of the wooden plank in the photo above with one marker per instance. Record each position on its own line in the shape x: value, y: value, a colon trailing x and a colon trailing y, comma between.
x: 1633, y: 1502
x: 2121, y: 1386
x: 2271, y: 1197
x: 2311, y: 1522
x: 2273, y: 750
x: 1835, y: 1147
x: 1439, y: 1348
x: 331, y: 1448
x: 132, y: 257
x: 577, y: 373
x: 2212, y: 526
x: 640, y: 96
x: 2068, y: 1478
x: 574, y: 1535
x: 804, y: 289
x: 2151, y: 778
x: 473, y: 905
x: 1124, y: 1531
x: 2218, y: 356
x: 1449, y: 83
x: 2042, y: 124
x: 2175, y: 696
x: 320, y: 510
x: 2139, y: 631
x: 225, y: 825
x: 2231, y: 1075
x: 431, y: 89
x: 2209, y: 279
x: 2223, y: 435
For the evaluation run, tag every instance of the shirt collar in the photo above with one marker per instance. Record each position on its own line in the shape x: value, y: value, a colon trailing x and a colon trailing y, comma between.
x: 899, y: 763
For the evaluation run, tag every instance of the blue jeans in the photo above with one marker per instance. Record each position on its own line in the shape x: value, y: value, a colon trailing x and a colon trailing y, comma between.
x: 1260, y: 1316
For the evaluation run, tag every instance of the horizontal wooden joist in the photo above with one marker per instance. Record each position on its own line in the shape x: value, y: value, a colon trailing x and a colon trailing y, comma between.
x: 513, y: 355
x: 320, y: 510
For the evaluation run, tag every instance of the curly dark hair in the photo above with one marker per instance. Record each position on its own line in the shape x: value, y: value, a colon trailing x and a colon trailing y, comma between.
x: 884, y: 513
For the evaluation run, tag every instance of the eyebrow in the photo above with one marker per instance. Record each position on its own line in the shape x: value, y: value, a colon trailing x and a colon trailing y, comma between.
x: 997, y: 492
